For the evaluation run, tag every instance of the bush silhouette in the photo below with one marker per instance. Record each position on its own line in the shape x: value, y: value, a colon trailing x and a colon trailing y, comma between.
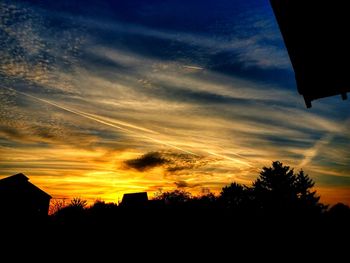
x: 57, y: 205
x: 78, y: 203
x: 235, y: 196
x: 176, y: 197
x: 340, y: 212
x: 73, y: 213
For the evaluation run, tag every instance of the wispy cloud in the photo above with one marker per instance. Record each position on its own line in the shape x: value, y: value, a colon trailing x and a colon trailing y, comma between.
x: 252, y: 49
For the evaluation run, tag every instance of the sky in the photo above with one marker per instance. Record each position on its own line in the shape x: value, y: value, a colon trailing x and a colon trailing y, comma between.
x: 101, y: 98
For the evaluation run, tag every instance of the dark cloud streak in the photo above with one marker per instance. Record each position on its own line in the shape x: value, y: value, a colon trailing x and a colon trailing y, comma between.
x: 147, y: 161
x: 171, y: 161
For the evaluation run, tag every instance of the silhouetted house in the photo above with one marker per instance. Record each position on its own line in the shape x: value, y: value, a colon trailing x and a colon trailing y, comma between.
x: 135, y: 200
x: 19, y: 197
x: 316, y: 37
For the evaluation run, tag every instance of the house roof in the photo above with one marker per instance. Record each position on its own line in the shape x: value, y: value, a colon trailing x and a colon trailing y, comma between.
x: 16, y: 177
x: 315, y: 34
x: 20, y: 181
x: 135, y: 198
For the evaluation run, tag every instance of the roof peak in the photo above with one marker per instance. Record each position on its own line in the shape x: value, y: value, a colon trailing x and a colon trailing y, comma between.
x: 20, y: 179
x: 19, y: 176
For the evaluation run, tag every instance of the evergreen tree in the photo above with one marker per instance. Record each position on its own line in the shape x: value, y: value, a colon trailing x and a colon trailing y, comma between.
x: 279, y: 189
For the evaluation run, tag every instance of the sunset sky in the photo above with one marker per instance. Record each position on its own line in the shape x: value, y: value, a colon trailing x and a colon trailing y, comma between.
x: 99, y: 98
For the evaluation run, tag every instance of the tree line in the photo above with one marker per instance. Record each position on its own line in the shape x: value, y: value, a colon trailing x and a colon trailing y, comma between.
x: 278, y: 192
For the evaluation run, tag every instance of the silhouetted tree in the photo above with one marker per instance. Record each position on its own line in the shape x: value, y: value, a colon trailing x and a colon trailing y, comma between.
x: 207, y: 198
x: 205, y: 201
x: 78, y: 203
x: 340, y: 212
x: 235, y: 196
x: 279, y: 189
x: 101, y: 211
x: 72, y: 213
x: 307, y: 199
x: 56, y: 205
x: 101, y: 208
x: 174, y: 197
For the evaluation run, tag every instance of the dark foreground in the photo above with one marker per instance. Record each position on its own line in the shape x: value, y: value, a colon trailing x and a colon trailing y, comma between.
x: 184, y: 232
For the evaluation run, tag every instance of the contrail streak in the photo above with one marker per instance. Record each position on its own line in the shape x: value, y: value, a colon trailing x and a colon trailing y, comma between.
x: 113, y: 124
x: 122, y: 123
x: 311, y: 153
x: 229, y: 158
x: 94, y: 118
x: 193, y: 67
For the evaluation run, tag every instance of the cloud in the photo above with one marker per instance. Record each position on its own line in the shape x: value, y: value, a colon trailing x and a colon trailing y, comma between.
x: 183, y: 161
x: 172, y: 162
x: 184, y: 184
x: 256, y: 43
x: 146, y: 161
x: 181, y: 184
x: 33, y: 52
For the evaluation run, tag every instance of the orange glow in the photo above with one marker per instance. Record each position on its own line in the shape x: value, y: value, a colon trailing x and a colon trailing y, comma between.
x: 333, y: 195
